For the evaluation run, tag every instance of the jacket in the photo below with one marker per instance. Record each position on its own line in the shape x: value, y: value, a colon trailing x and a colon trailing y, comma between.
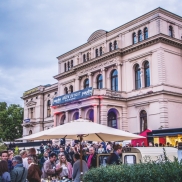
x: 17, y: 172
x: 93, y: 161
x: 34, y: 173
x: 49, y: 169
x: 70, y: 169
x: 76, y: 170
x: 113, y: 159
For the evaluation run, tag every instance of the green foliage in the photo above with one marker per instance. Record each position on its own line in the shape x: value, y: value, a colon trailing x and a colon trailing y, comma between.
x: 2, y: 147
x: 164, y: 171
x: 11, y: 118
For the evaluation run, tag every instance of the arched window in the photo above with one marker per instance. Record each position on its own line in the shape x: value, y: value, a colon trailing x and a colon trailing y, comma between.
x: 65, y: 90
x: 71, y: 63
x: 99, y: 82
x: 91, y: 115
x: 137, y: 77
x: 170, y: 31
x: 110, y: 46
x: 76, y: 116
x: 112, y: 119
x: 65, y: 67
x: 96, y: 53
x: 143, y: 120
x: 84, y: 58
x: 87, y: 56
x: 86, y: 83
x: 71, y: 88
x: 100, y: 51
x: 114, y: 80
x: 48, y: 108
x: 115, y: 45
x: 68, y: 65
x: 139, y: 36
x: 145, y: 33
x: 62, y: 120
x: 134, y: 38
x: 147, y: 74
x: 30, y: 132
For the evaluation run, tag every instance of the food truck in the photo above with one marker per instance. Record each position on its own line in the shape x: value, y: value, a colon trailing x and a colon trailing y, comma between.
x: 136, y: 155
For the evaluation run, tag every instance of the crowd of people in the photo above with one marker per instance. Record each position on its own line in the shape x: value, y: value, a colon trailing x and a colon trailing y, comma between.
x: 53, y: 161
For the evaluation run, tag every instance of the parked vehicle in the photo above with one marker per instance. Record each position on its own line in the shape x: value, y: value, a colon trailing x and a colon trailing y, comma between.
x: 136, y: 155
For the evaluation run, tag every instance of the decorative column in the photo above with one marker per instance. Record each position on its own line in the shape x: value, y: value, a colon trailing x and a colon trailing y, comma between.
x: 77, y: 83
x: 66, y: 117
x: 92, y: 53
x: 119, y: 41
x: 55, y: 120
x: 103, y: 77
x: 124, y: 119
x: 119, y: 75
x: 95, y: 114
x: 80, y: 112
x: 80, y: 57
x: 142, y: 77
x: 103, y: 113
x: 90, y: 79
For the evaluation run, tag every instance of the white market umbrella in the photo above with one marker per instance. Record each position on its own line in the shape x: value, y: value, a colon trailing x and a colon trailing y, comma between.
x: 89, y: 130
x: 83, y: 129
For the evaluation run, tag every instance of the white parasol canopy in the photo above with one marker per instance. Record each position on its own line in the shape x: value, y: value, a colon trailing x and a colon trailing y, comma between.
x: 81, y: 127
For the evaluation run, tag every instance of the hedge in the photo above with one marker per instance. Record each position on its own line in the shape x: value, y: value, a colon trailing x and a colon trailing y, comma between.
x: 144, y: 172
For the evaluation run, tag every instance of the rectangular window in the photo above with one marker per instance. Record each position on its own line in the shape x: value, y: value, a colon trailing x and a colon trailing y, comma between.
x: 129, y: 159
x: 31, y: 113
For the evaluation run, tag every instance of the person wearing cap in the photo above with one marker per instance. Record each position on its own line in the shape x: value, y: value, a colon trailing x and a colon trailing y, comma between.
x: 19, y: 173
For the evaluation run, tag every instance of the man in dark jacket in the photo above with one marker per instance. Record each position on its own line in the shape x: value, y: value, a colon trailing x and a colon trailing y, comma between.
x: 114, y: 158
x: 92, y: 158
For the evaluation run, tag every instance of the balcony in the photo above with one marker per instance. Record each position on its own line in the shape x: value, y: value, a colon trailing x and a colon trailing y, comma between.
x: 29, y: 122
x: 110, y: 93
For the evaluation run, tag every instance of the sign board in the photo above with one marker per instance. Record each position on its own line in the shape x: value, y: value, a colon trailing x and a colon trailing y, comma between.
x: 26, y: 120
x: 81, y: 94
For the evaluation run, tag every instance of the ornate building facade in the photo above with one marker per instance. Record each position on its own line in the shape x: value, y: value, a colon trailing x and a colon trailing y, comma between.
x: 131, y: 76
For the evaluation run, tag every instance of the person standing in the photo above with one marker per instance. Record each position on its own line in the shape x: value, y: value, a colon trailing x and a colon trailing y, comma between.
x: 23, y: 155
x: 4, y: 156
x: 4, y: 174
x: 34, y: 172
x: 66, y: 167
x: 19, y: 173
x: 76, y: 167
x: 114, y: 157
x: 49, y: 168
x: 92, y: 158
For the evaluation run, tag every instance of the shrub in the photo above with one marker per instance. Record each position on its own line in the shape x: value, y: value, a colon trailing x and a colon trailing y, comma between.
x: 144, y: 172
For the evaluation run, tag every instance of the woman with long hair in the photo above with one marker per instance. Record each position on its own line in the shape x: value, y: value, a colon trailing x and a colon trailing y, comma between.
x: 66, y: 167
x: 4, y: 174
x: 34, y: 172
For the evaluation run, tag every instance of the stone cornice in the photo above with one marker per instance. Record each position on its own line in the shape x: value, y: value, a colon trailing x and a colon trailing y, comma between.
x: 153, y: 14
x: 121, y: 52
x: 87, y: 64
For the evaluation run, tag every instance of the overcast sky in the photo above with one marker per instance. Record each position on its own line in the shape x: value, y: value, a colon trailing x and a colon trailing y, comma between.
x: 34, y: 32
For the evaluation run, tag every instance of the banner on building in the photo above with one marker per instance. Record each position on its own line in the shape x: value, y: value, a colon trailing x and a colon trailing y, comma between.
x: 81, y: 94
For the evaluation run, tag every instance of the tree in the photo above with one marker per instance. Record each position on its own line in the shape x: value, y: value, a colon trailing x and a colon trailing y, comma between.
x: 11, y: 118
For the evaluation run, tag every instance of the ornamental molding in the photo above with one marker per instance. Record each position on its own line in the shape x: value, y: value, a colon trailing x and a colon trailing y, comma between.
x: 121, y: 52
x: 64, y: 83
x: 31, y: 103
x: 100, y: 66
x: 140, y: 56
